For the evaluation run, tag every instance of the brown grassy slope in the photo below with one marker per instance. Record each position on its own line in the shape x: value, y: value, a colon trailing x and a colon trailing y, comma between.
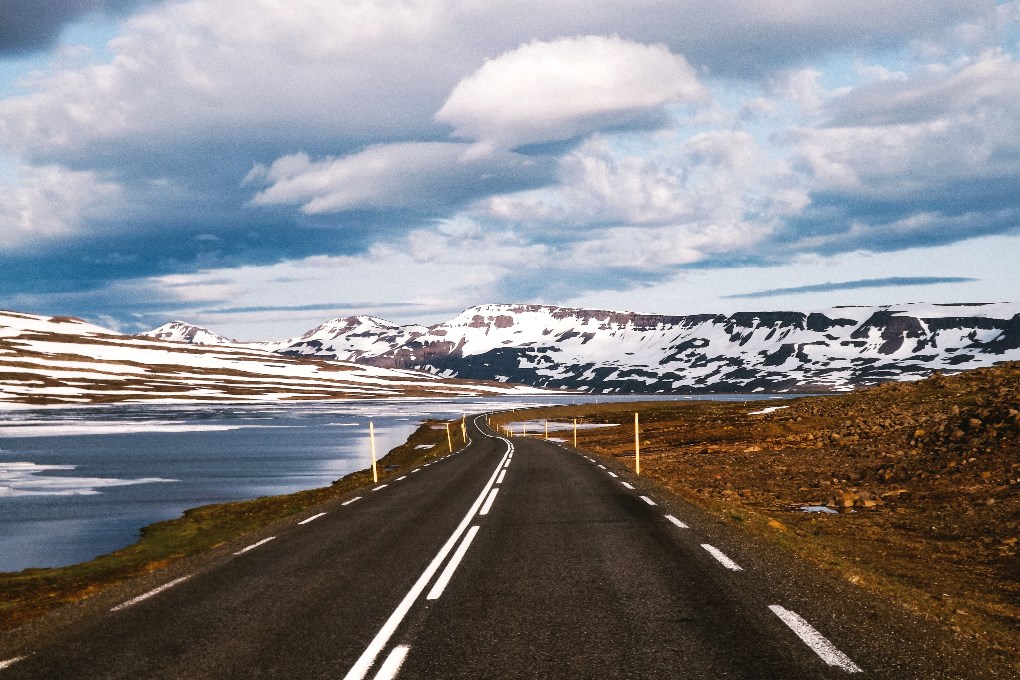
x: 925, y: 477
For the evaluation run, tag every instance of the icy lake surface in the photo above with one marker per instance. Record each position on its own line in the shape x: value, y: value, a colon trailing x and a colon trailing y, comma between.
x: 80, y: 482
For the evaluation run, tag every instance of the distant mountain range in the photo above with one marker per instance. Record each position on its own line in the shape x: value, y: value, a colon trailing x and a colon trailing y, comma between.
x: 60, y: 360
x: 623, y: 352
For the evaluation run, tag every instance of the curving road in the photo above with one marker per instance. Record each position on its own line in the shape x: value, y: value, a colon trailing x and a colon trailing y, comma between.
x: 510, y: 559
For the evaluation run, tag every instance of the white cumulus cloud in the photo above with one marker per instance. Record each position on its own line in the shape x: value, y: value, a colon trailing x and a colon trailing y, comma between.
x: 557, y: 90
x: 411, y: 175
x: 50, y: 201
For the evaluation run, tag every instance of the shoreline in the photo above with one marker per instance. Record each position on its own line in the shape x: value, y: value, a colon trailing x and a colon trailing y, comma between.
x: 201, y: 533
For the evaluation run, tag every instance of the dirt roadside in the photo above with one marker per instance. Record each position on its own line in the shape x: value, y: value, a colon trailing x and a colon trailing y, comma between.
x: 913, y: 488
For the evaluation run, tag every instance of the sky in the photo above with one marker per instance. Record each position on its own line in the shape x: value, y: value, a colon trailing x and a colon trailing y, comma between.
x: 260, y: 167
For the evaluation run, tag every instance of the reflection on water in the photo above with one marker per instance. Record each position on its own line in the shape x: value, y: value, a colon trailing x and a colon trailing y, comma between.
x: 80, y: 482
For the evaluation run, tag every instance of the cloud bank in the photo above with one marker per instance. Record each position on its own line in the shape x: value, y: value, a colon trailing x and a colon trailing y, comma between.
x: 526, y: 149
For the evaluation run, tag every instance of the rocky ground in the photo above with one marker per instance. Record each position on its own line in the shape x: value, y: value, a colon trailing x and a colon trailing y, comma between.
x: 914, y: 488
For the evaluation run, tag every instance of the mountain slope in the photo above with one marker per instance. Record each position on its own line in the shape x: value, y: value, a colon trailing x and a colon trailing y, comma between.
x: 179, y: 331
x: 58, y: 360
x: 607, y: 351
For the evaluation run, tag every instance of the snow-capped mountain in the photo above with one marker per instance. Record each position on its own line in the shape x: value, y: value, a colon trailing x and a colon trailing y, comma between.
x: 605, y: 351
x: 179, y: 331
x: 59, y: 360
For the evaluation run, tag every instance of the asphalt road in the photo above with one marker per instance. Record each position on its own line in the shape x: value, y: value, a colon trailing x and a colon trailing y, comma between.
x: 509, y: 559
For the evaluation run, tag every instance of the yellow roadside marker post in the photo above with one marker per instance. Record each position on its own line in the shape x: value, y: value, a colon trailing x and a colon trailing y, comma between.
x: 637, y: 446
x: 449, y: 439
x: 371, y: 436
x: 575, y: 433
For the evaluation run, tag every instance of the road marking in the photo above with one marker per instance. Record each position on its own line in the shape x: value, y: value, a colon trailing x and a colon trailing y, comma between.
x: 10, y: 662
x: 721, y: 556
x: 507, y: 463
x: 813, y: 639
x: 254, y: 545
x: 146, y: 596
x: 628, y: 485
x: 367, y: 658
x: 356, y: 498
x: 451, y: 566
x: 501, y: 476
x: 415, y: 470
x: 381, y: 486
x: 677, y: 522
x: 612, y: 474
x: 312, y: 518
x: 648, y: 500
x: 400, y: 478
x: 393, y: 662
x: 488, y: 502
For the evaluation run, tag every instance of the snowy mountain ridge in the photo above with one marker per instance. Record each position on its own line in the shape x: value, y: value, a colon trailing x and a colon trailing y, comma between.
x: 50, y: 361
x: 608, y: 351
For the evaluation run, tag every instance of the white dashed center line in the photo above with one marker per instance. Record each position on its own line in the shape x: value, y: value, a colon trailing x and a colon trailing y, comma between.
x: 721, y: 557
x: 356, y: 498
x: 602, y: 466
x: 312, y: 518
x: 400, y: 478
x: 452, y: 565
x: 815, y: 640
x: 381, y: 486
x: 254, y: 545
x: 10, y: 662
x: 146, y: 596
x: 612, y: 474
x: 648, y: 500
x: 499, y: 480
x: 393, y: 662
x: 677, y: 522
x: 488, y: 502
x: 367, y: 658
x: 415, y: 470
x: 627, y: 485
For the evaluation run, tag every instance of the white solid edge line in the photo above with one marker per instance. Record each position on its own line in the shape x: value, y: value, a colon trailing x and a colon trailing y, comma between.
x: 628, y: 485
x: 10, y: 662
x: 451, y: 566
x: 356, y: 498
x: 367, y: 658
x: 677, y: 522
x: 312, y: 518
x: 815, y: 640
x: 393, y: 662
x: 501, y: 476
x: 381, y: 486
x: 488, y: 502
x: 612, y: 474
x: 648, y: 500
x: 254, y: 545
x: 146, y: 596
x: 721, y: 557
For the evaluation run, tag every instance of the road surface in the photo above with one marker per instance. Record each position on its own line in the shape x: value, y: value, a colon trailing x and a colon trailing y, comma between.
x: 515, y: 558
